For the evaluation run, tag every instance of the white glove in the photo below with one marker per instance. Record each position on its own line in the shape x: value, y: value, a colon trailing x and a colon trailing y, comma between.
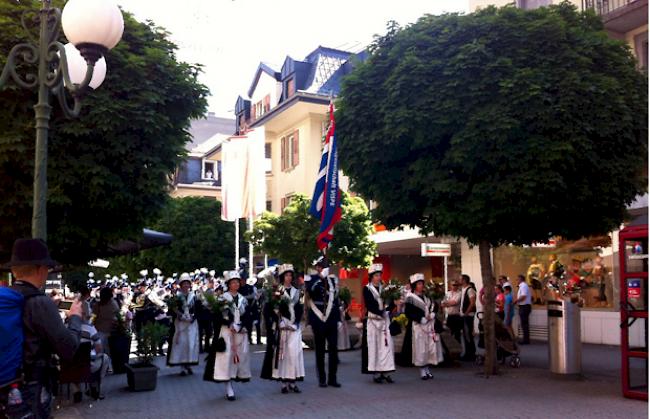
x: 283, y: 324
x: 424, y: 320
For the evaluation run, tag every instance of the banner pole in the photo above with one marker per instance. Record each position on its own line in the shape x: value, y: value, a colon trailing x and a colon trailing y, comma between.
x: 236, y: 244
x: 446, y: 279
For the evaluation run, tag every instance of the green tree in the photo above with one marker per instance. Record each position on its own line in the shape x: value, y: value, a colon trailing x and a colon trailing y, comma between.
x: 201, y: 239
x: 108, y: 169
x: 501, y: 126
x: 291, y: 237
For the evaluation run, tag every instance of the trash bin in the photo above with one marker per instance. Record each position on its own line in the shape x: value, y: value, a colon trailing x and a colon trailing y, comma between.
x: 564, y: 343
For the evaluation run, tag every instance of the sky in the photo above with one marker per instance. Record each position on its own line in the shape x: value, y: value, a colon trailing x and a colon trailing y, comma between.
x: 230, y: 37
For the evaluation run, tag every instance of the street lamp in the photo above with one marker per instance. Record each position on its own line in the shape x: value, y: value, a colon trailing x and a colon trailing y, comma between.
x: 93, y: 27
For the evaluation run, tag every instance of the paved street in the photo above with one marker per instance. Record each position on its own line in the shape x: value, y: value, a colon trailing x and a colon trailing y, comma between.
x: 456, y: 392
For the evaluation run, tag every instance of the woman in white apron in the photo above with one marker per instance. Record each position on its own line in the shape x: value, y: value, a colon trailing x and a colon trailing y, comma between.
x: 377, y: 353
x: 422, y: 346
x: 184, y: 347
x: 229, y: 358
x: 283, y: 360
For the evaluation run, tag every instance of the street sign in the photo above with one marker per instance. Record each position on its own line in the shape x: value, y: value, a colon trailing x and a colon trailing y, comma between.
x: 436, y: 249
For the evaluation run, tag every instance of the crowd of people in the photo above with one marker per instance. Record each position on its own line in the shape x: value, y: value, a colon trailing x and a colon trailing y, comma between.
x: 223, y: 315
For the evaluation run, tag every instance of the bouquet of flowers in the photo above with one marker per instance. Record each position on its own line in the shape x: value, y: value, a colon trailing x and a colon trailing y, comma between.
x: 392, y: 291
x: 274, y: 294
x: 345, y: 295
x: 433, y: 291
x: 216, y: 304
x: 174, y: 304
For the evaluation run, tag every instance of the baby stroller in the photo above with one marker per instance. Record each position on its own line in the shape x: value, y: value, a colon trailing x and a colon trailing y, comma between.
x: 506, y: 343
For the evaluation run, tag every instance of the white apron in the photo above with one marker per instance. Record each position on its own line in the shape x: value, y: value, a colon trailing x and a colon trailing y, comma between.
x: 291, y: 365
x: 381, y: 356
x: 343, y: 338
x: 426, y: 344
x: 185, y: 343
x: 234, y: 362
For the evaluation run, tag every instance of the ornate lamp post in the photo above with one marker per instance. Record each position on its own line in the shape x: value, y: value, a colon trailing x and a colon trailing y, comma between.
x: 92, y: 27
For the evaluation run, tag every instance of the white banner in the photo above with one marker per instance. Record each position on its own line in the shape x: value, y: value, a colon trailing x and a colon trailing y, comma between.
x: 243, y: 182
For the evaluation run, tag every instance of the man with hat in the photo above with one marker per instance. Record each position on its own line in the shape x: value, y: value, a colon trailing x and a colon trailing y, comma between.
x: 248, y: 290
x: 44, y: 333
x: 324, y: 315
x: 377, y: 356
x: 184, y: 342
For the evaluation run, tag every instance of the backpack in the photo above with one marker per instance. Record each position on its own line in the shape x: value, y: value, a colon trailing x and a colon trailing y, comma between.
x: 11, y: 333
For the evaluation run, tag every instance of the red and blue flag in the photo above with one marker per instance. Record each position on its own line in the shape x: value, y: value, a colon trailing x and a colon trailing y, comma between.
x: 326, y: 202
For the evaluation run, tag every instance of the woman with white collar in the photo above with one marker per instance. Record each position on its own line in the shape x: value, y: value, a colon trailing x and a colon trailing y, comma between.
x: 422, y: 346
x: 229, y: 358
x: 184, y: 341
x: 377, y: 353
x: 283, y: 360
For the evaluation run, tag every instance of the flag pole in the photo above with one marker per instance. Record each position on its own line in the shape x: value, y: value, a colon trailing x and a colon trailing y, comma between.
x: 236, y: 244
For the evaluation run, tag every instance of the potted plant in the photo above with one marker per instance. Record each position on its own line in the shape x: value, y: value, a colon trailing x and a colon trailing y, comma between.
x: 143, y: 375
x: 119, y: 343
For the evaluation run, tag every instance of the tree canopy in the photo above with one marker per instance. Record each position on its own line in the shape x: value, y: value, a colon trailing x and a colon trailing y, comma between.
x: 108, y: 170
x: 291, y: 237
x: 201, y: 239
x: 504, y: 125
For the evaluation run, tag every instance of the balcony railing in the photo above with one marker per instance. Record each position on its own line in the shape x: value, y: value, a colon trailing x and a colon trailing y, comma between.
x: 603, y: 7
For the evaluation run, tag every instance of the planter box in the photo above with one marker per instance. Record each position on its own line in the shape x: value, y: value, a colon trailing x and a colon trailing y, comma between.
x: 141, y: 377
x: 120, y: 349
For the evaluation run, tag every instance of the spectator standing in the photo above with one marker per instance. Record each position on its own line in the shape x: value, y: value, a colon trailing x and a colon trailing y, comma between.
x: 451, y: 304
x: 467, y: 311
x: 524, y: 302
x: 499, y: 301
x: 105, y: 311
x: 508, y: 307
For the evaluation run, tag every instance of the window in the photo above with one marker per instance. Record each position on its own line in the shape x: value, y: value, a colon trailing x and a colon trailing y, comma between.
x: 284, y: 202
x: 267, y: 157
x: 269, y: 206
x: 267, y: 103
x: 290, y: 156
x: 209, y: 170
x: 641, y: 50
x: 290, y: 87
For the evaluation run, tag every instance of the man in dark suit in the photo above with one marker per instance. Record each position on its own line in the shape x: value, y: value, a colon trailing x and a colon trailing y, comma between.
x: 324, y: 315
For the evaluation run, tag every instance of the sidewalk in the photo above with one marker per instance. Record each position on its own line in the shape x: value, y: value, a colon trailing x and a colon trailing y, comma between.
x: 456, y: 392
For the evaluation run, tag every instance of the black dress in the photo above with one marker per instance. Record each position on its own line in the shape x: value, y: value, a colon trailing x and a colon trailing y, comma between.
x: 372, y: 306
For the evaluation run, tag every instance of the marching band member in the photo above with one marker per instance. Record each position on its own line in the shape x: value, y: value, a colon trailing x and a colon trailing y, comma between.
x: 377, y: 356
x: 184, y: 342
x: 230, y: 358
x: 422, y: 347
x: 324, y: 315
x: 284, y: 358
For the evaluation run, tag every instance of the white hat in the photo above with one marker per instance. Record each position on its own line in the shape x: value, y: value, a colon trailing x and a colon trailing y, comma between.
x: 91, y: 275
x: 114, y: 278
x: 233, y: 275
x: 108, y: 276
x: 197, y: 271
x: 243, y: 260
x: 157, y: 271
x: 416, y: 277
x: 124, y: 276
x: 204, y: 271
x: 184, y: 277
x: 284, y: 268
x: 212, y: 272
x: 374, y: 268
x: 144, y: 272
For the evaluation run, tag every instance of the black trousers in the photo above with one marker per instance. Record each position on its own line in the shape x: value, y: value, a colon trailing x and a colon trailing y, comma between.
x: 468, y: 336
x: 205, y: 334
x: 455, y: 325
x: 329, y: 335
x: 524, y: 314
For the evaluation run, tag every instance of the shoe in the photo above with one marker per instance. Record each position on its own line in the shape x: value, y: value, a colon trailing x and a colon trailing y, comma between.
x: 388, y: 379
x: 183, y: 373
x: 424, y: 377
x: 430, y: 376
x: 285, y: 390
x: 231, y: 398
x: 296, y: 390
x: 76, y: 397
x: 189, y: 371
x: 334, y: 384
x: 322, y: 385
x: 378, y: 380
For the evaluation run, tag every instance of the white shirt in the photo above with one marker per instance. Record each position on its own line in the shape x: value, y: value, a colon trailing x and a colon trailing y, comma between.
x: 525, y: 292
x: 454, y: 298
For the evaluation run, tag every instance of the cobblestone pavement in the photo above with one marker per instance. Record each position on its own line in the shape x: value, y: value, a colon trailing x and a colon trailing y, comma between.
x: 456, y: 392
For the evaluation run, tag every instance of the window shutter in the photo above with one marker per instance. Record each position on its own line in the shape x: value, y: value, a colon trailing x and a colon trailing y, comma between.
x: 267, y: 103
x: 284, y: 153
x: 295, y: 149
x: 283, y: 204
x: 253, y: 113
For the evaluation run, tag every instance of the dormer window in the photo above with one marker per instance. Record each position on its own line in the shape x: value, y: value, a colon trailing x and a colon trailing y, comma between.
x: 209, y: 170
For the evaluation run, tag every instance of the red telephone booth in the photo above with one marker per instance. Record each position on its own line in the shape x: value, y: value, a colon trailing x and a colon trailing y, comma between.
x: 633, y: 253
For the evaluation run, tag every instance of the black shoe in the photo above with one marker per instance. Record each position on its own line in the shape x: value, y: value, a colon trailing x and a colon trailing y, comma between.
x: 388, y: 379
x: 322, y: 385
x: 183, y: 373
x: 424, y: 377
x: 285, y: 390
x: 430, y: 376
x: 77, y: 397
x: 296, y: 390
x: 334, y: 384
x: 231, y: 398
x: 189, y: 371
x: 378, y: 380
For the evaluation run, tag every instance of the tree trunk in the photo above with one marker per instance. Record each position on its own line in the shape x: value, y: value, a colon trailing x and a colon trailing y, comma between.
x: 489, y: 308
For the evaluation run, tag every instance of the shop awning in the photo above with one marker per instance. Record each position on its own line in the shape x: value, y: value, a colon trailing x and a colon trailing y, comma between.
x: 149, y: 240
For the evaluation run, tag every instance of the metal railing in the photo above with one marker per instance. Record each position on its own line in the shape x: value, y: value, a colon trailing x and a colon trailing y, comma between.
x: 603, y: 7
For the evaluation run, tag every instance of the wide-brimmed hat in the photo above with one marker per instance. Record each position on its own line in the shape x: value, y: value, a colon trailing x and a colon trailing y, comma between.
x: 185, y: 277
x: 284, y: 268
x: 374, y: 268
x: 30, y: 252
x: 416, y: 277
x: 232, y: 275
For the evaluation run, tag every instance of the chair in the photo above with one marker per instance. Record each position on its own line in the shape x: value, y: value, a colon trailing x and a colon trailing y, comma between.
x: 77, y: 370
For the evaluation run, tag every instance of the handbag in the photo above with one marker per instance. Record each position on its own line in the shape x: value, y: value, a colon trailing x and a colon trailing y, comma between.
x: 220, y: 345
x: 395, y: 328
